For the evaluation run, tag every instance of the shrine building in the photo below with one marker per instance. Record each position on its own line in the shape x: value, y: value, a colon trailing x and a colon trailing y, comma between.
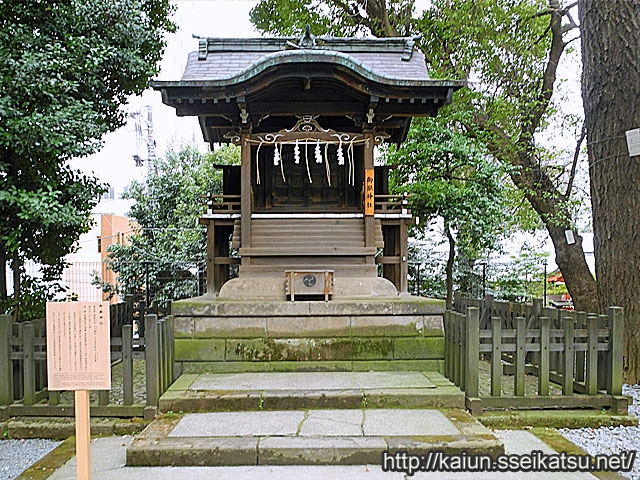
x: 308, y: 210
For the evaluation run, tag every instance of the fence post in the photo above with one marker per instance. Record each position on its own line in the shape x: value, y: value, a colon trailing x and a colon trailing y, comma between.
x: 496, y: 356
x: 127, y: 364
x: 543, y: 359
x: 456, y: 348
x: 592, y: 355
x: 521, y: 332
x: 581, y: 323
x: 603, y: 357
x: 568, y: 364
x: 472, y: 336
x: 28, y: 366
x: 616, y: 328
x: 170, y: 346
x: 151, y: 359
x: 463, y: 352
x: 487, y: 308
x: 6, y: 364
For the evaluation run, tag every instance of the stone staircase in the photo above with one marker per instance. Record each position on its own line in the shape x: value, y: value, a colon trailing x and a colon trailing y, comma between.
x: 308, y: 383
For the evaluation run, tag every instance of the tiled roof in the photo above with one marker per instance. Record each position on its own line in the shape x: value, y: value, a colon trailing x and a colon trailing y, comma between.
x: 223, y: 65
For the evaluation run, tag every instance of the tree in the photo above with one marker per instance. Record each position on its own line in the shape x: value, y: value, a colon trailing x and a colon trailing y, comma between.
x: 610, y: 92
x: 512, y: 48
x: 67, y: 69
x: 452, y: 179
x: 168, y: 248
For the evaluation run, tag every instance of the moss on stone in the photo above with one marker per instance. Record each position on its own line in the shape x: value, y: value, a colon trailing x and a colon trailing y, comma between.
x: 554, y: 419
x: 48, y: 464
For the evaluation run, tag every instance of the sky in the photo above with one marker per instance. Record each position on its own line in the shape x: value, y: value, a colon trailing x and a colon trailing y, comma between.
x: 114, y: 163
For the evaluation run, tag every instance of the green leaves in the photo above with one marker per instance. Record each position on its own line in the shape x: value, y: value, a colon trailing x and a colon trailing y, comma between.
x: 66, y: 69
x: 169, y: 246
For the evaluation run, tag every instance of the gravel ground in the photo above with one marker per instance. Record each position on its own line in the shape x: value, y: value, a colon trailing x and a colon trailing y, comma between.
x: 18, y: 455
x: 607, y: 440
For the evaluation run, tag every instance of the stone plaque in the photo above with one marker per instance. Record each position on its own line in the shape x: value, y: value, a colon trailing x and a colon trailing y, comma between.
x: 78, y: 346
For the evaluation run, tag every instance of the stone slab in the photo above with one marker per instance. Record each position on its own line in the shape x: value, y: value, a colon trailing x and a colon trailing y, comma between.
x: 108, y: 463
x: 388, y: 422
x: 225, y: 424
x: 320, y: 450
x: 229, y: 327
x: 332, y: 423
x: 308, y: 327
x: 299, y: 381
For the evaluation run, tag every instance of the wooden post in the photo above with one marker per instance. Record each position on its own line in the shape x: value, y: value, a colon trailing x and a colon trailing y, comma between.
x: 245, y: 194
x: 456, y: 348
x: 369, y: 234
x: 603, y: 357
x: 212, y: 288
x: 521, y: 332
x: 543, y: 359
x: 83, y: 435
x: 127, y: 364
x: 170, y: 347
x: 28, y: 364
x: 404, y: 256
x: 592, y: 355
x: 472, y: 336
x: 581, y: 323
x: 151, y: 359
x: 463, y: 352
x: 616, y: 329
x: 569, y: 358
x: 447, y: 349
x: 487, y: 311
x: 496, y: 356
x: 6, y: 364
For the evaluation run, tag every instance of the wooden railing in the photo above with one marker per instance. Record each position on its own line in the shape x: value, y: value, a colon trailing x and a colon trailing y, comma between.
x: 393, y: 203
x: 558, y: 358
x: 23, y: 378
x: 221, y: 203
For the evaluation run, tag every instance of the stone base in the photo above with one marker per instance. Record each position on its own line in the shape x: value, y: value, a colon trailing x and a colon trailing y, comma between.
x: 274, y: 288
x: 334, y: 335
x: 311, y: 437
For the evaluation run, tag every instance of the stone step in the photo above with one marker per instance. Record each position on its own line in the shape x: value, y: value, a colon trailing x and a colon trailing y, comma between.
x: 215, y: 392
x: 307, y: 437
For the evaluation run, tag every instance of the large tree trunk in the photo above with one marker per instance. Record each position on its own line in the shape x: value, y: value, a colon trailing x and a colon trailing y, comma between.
x: 611, y: 96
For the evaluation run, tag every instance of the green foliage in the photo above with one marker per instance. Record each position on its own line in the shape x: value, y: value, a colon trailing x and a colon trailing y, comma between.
x: 67, y: 68
x: 168, y: 247
x: 520, y: 280
x: 452, y: 178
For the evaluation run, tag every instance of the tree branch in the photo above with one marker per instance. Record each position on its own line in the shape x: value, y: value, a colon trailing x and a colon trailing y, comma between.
x: 576, y: 155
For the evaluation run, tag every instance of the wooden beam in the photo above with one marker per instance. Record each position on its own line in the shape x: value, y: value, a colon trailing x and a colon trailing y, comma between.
x: 369, y: 232
x: 212, y: 288
x: 404, y: 257
x: 245, y: 193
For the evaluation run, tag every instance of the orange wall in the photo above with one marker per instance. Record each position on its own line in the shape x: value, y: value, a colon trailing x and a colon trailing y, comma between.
x: 113, y: 229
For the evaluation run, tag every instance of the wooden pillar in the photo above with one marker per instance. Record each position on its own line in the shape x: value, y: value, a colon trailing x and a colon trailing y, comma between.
x: 404, y: 256
x: 245, y: 195
x: 369, y: 233
x: 212, y: 287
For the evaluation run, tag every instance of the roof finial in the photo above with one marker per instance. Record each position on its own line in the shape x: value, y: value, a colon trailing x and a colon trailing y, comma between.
x: 307, y: 40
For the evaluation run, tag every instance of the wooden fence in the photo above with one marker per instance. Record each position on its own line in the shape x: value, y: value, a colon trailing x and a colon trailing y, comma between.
x: 579, y: 354
x: 23, y: 370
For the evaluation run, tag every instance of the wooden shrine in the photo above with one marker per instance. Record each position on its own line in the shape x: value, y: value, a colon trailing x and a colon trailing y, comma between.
x: 307, y: 198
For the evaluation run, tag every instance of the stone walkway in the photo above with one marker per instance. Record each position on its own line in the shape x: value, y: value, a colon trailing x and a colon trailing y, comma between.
x: 109, y: 454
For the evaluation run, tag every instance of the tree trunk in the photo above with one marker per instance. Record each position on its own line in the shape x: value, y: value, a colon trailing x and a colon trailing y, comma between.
x: 611, y: 93
x: 449, y: 267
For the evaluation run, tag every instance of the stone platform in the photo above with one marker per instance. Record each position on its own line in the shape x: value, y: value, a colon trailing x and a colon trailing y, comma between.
x: 304, y: 390
x: 307, y: 437
x: 217, y: 335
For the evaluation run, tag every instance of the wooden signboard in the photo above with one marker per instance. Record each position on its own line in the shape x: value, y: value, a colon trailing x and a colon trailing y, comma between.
x: 78, y: 358
x: 369, y: 192
x: 78, y: 351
